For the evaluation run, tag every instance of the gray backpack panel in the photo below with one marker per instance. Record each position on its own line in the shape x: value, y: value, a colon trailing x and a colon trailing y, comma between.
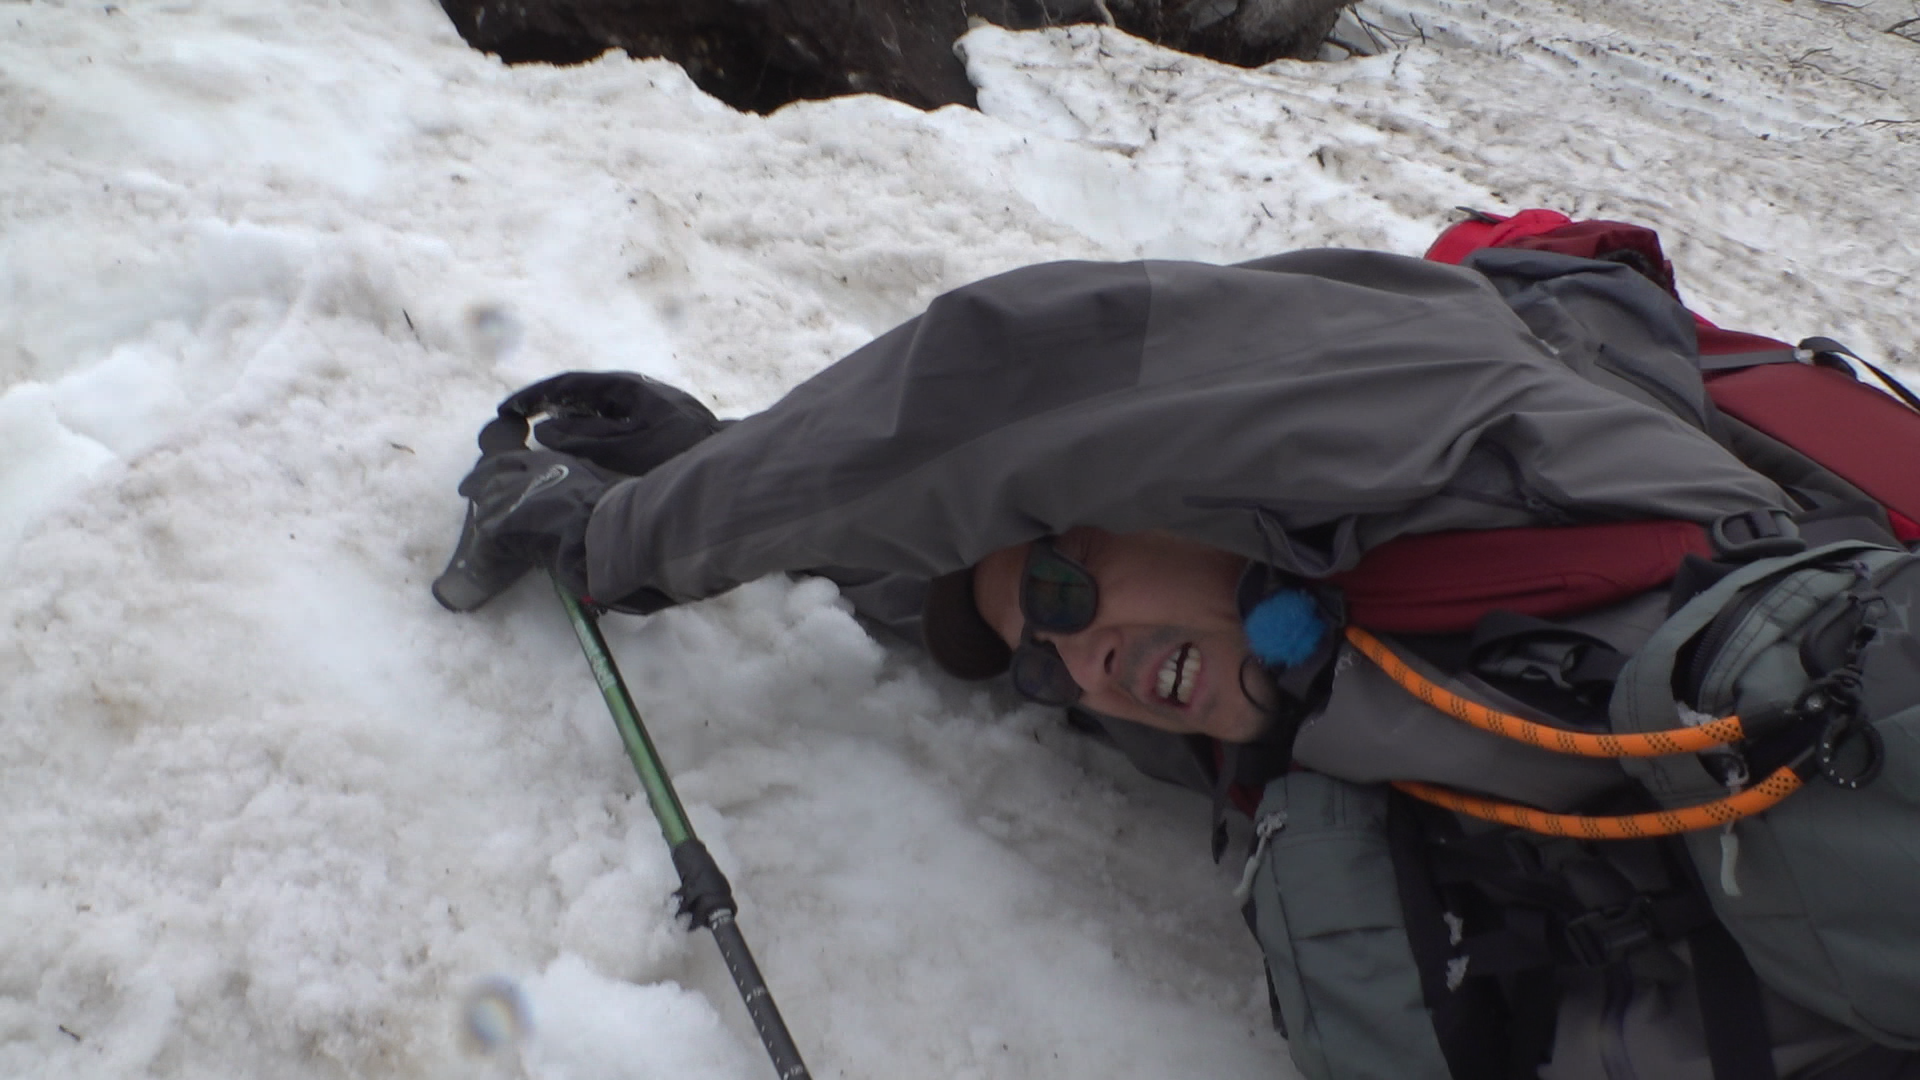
x: 1371, y: 731
x: 1327, y: 913
x: 1821, y: 890
x: 1608, y: 323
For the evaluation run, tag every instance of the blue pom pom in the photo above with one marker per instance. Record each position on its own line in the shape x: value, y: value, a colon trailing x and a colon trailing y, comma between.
x: 1286, y: 628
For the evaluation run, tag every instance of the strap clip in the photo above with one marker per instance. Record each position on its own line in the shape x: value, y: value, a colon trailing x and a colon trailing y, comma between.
x: 1755, y: 534
x: 1599, y: 938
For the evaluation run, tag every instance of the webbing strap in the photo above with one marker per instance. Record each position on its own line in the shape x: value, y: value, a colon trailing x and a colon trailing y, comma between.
x: 1814, y: 346
x: 1739, y: 1044
x: 1899, y: 388
x: 1728, y: 361
x: 1468, y: 1014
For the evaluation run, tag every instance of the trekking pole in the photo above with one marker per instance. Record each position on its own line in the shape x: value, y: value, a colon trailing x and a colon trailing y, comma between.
x: 474, y: 575
x: 704, y: 892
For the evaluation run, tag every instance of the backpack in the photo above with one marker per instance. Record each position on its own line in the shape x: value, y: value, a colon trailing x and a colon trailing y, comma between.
x: 1776, y: 829
x: 1778, y: 707
x: 1807, y: 398
x: 1797, y: 414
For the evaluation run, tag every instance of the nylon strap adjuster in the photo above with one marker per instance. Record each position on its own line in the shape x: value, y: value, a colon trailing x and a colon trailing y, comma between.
x: 1755, y: 534
x: 1599, y: 938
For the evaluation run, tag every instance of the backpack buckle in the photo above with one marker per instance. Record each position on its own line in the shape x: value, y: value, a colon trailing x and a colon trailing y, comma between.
x: 1755, y: 534
x: 1599, y: 938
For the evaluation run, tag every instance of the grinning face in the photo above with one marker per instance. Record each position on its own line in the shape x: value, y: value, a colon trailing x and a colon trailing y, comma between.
x: 1165, y: 646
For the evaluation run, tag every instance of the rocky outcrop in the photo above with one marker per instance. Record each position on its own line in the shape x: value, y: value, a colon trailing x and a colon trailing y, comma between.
x: 760, y: 54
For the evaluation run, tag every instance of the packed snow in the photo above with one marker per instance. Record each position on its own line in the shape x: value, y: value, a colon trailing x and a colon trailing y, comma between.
x: 265, y: 268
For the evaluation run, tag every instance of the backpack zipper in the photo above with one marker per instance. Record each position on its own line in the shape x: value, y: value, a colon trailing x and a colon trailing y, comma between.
x: 1263, y: 830
x: 1714, y: 638
x: 1621, y: 364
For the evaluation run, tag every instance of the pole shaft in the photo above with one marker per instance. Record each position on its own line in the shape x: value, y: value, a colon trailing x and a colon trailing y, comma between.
x: 646, y: 760
x: 705, y: 893
x: 759, y: 1000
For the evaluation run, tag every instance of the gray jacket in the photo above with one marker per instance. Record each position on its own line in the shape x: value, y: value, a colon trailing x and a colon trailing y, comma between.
x: 1297, y: 410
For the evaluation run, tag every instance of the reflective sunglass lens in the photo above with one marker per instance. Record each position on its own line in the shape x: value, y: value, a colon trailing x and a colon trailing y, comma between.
x: 1058, y: 596
x: 1041, y: 676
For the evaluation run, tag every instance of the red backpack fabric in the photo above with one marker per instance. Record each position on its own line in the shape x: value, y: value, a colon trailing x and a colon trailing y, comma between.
x: 1810, y: 400
x: 1867, y: 437
x: 1807, y: 398
x: 1437, y: 583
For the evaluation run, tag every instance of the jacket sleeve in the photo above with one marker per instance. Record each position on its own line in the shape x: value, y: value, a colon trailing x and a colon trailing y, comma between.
x: 1298, y: 410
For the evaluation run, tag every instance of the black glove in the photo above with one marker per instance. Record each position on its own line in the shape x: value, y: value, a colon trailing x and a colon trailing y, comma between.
x: 617, y: 420
x: 526, y: 509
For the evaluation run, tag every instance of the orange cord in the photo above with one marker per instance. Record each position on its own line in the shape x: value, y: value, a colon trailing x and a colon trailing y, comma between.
x: 1762, y: 796
x: 1687, y: 740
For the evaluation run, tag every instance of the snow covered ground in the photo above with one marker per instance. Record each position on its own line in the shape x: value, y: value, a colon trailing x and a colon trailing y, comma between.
x: 265, y: 266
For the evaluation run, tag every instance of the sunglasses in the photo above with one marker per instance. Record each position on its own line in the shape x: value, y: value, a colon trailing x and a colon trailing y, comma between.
x: 1057, y: 596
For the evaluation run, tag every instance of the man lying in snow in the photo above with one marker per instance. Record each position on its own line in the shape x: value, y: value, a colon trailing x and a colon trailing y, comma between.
x: 1138, y: 487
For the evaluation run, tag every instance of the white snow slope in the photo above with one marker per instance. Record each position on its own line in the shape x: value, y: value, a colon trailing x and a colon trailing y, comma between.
x: 266, y: 266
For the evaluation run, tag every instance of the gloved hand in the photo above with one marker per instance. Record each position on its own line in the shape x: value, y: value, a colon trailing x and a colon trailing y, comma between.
x: 526, y: 509
x: 615, y: 419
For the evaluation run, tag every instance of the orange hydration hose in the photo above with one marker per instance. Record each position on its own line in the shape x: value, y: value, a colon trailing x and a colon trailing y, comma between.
x: 1689, y: 740
x: 1782, y: 783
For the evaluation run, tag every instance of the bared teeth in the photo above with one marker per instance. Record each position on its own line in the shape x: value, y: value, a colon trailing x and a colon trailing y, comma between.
x: 1177, y: 676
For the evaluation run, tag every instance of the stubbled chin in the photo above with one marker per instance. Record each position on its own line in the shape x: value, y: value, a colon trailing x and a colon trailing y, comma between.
x: 1239, y: 728
x: 1237, y: 720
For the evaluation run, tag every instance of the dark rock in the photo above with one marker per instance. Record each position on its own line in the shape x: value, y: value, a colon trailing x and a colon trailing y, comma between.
x: 758, y: 55
x: 1244, y: 32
